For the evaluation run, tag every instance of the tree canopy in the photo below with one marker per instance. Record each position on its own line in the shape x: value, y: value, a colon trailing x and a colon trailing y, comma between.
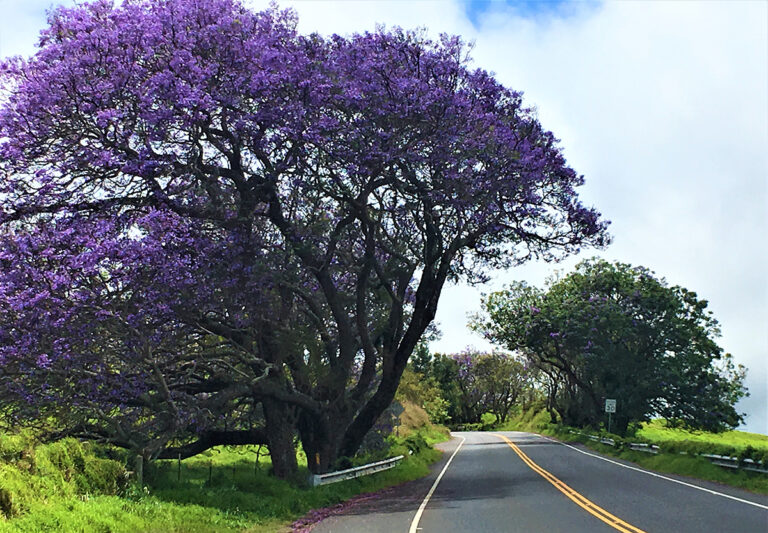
x: 211, y: 225
x: 489, y: 383
x: 611, y: 330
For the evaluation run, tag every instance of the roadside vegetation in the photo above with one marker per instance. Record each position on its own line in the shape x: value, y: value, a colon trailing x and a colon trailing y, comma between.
x: 678, y: 447
x: 730, y: 442
x: 73, y: 486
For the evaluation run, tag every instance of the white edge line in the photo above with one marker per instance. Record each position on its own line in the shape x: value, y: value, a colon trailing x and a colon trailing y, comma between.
x: 415, y: 522
x: 654, y: 474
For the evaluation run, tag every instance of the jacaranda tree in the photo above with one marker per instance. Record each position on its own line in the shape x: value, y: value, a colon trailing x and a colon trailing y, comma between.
x: 488, y: 383
x: 262, y: 222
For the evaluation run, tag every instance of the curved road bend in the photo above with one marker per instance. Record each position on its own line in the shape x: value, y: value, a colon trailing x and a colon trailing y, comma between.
x: 521, y: 482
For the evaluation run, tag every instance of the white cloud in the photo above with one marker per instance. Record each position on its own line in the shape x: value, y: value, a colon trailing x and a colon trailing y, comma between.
x: 20, y: 23
x: 663, y: 106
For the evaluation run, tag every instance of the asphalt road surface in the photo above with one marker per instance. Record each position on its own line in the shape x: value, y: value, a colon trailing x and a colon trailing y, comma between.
x: 514, y: 481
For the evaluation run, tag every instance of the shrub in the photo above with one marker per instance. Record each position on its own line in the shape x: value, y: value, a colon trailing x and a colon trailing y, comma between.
x: 416, y: 443
x: 31, y: 475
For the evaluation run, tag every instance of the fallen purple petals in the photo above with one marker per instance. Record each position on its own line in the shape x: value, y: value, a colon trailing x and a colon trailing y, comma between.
x: 315, y: 516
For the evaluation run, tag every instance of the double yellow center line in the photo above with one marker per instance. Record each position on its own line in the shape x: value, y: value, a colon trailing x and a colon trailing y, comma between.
x: 593, y: 509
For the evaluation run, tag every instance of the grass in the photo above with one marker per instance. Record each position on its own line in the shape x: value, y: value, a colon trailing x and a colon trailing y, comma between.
x: 238, y: 497
x: 237, y: 489
x: 415, y: 419
x: 64, y: 470
x: 534, y: 419
x: 673, y: 441
x: 66, y: 487
x: 688, y: 465
x: 657, y: 432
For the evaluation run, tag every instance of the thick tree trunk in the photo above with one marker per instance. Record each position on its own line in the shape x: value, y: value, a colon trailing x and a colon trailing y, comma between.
x: 213, y: 437
x: 321, y: 438
x: 370, y: 414
x: 564, y: 418
x: 280, y: 433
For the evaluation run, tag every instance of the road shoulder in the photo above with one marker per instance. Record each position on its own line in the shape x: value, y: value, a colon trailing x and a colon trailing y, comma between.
x: 399, y: 503
x: 703, y: 484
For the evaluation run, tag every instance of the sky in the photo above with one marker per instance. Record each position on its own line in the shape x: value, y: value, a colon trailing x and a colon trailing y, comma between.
x: 662, y: 106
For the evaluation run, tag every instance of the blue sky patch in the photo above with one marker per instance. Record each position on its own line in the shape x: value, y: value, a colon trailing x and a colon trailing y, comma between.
x: 534, y: 9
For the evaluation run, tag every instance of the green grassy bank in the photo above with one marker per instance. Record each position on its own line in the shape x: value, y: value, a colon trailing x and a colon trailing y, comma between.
x: 672, y: 442
x: 68, y: 487
x: 732, y: 443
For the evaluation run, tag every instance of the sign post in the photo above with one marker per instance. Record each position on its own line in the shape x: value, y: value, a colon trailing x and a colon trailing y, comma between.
x: 610, y: 408
x: 396, y: 409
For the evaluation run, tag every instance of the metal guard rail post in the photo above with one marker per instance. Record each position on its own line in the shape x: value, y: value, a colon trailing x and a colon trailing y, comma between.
x: 342, y: 475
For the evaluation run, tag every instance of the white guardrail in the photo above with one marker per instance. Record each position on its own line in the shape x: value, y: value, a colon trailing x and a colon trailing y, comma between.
x: 720, y: 460
x: 734, y: 462
x: 349, y: 473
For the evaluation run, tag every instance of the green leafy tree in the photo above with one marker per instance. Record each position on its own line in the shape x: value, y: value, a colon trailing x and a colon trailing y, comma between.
x: 502, y: 381
x: 421, y: 360
x: 424, y: 391
x: 485, y: 383
x: 611, y: 330
x: 445, y: 371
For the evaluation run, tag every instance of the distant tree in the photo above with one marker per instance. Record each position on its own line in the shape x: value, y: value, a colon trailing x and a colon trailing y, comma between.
x: 534, y: 387
x: 420, y: 386
x: 471, y: 399
x: 421, y: 360
x: 489, y: 383
x: 424, y: 391
x: 617, y: 331
x: 502, y: 380
x: 445, y: 371
x: 354, y: 176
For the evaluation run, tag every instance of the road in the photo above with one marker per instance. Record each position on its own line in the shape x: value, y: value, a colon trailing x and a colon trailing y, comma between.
x: 514, y: 481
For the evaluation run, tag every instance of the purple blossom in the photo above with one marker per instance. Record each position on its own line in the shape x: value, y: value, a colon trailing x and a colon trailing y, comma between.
x: 187, y: 184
